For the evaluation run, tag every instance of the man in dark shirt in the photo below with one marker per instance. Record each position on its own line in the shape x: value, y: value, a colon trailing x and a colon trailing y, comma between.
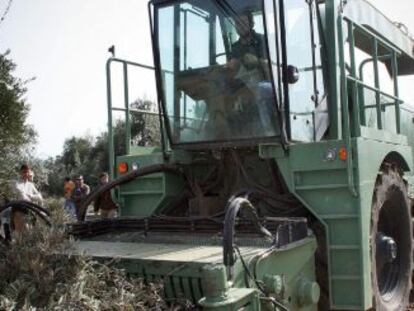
x: 79, y: 193
x: 104, y: 203
x: 250, y: 48
x: 248, y: 65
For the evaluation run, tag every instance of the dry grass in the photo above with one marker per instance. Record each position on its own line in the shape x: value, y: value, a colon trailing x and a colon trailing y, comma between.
x: 36, y: 276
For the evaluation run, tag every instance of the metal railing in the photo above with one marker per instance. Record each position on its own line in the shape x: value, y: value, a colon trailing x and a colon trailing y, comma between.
x: 126, y: 109
x: 353, y: 88
x: 358, y: 86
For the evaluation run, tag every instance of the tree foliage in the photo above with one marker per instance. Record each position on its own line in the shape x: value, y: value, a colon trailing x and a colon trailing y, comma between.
x: 76, y: 153
x: 16, y: 135
x: 145, y: 129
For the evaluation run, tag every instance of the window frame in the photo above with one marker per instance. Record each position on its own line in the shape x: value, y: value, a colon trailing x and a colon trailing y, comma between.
x: 217, y: 144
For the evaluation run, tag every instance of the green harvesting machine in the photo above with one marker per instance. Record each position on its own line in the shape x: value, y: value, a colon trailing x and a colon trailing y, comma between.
x: 283, y: 177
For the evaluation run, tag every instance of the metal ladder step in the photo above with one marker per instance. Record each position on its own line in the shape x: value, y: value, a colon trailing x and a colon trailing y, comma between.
x: 321, y: 187
x: 142, y: 192
x: 340, y: 277
x: 339, y: 217
x: 344, y: 247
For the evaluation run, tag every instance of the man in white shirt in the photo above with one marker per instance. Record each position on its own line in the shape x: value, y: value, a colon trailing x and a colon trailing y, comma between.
x: 25, y: 189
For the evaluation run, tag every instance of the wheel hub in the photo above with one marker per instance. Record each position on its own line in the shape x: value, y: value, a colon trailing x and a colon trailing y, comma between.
x: 386, y: 248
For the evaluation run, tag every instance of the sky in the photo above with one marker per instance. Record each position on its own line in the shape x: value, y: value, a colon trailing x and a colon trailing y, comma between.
x: 63, y: 43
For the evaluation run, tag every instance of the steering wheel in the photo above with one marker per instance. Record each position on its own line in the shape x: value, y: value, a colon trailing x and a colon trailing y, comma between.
x: 220, y: 55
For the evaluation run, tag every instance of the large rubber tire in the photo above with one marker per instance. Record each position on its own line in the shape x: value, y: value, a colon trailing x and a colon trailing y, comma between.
x: 391, y: 217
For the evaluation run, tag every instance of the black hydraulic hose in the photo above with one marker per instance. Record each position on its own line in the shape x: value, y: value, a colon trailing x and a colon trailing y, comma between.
x: 7, y: 235
x: 146, y: 170
x: 28, y: 204
x: 234, y: 206
x: 24, y: 206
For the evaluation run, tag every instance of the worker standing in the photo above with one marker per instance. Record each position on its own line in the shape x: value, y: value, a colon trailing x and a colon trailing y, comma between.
x: 24, y: 190
x: 69, y: 205
x: 79, y: 193
x: 104, y: 203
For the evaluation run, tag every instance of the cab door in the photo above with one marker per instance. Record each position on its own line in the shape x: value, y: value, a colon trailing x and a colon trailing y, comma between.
x: 296, y: 52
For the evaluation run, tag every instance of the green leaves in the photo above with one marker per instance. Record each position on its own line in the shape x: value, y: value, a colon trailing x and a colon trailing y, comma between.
x: 16, y: 135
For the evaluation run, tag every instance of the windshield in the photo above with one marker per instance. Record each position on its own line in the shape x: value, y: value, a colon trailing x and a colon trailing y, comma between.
x: 215, y: 74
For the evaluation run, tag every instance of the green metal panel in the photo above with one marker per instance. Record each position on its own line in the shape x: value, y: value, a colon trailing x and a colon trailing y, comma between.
x: 186, y: 271
x: 144, y: 196
x: 237, y: 299
x: 296, y: 265
x: 328, y: 197
x: 407, y: 124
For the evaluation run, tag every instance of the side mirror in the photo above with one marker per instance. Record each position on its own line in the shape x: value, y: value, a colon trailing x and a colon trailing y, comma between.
x: 292, y: 74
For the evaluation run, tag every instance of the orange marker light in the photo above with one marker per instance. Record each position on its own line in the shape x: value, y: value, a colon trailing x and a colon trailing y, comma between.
x: 122, y: 168
x: 343, y: 154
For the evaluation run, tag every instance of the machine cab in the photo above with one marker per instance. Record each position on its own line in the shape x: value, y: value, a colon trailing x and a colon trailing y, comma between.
x: 224, y: 74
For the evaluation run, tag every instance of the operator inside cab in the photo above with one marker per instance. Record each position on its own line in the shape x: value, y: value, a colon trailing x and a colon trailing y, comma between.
x: 250, y: 46
x: 248, y: 68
